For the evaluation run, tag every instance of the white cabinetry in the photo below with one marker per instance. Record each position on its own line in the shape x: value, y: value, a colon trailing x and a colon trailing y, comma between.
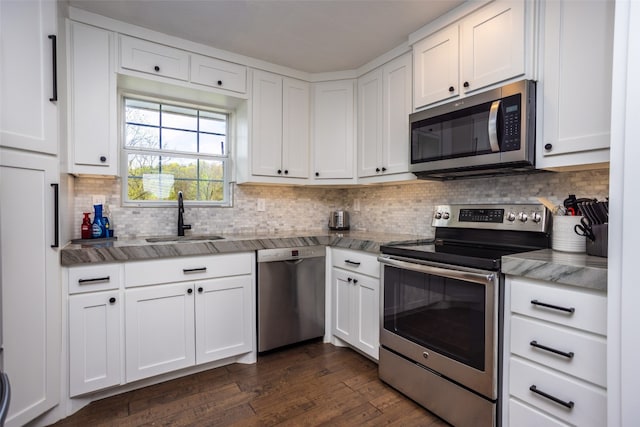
x: 92, y: 100
x: 356, y: 300
x: 486, y: 47
x: 333, y: 130
x: 187, y: 311
x: 95, y: 322
x: 384, y: 104
x: 555, y: 353
x: 574, y: 102
x: 279, y: 126
x: 28, y: 118
x: 153, y: 58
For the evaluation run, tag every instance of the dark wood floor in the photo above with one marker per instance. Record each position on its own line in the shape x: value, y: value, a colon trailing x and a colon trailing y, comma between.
x: 309, y: 385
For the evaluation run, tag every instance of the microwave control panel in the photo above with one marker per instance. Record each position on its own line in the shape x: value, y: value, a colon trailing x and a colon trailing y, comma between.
x: 511, y: 123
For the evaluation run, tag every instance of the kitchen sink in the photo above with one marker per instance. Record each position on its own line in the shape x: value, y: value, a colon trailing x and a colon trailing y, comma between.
x: 182, y: 238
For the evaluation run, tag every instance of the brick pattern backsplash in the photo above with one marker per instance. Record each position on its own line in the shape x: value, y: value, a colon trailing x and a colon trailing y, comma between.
x: 398, y: 208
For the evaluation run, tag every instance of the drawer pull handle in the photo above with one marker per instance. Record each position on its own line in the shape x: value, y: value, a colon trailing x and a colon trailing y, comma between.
x: 535, y: 344
x: 348, y: 261
x: 96, y: 280
x: 194, y: 270
x: 554, y: 307
x: 569, y: 404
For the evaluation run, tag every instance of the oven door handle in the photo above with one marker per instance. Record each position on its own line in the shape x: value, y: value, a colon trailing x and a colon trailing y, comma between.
x: 465, y: 276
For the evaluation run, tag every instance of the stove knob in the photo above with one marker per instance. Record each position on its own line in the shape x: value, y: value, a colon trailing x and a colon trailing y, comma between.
x: 438, y: 215
x: 535, y: 217
x: 511, y: 217
x: 523, y: 217
x: 445, y: 215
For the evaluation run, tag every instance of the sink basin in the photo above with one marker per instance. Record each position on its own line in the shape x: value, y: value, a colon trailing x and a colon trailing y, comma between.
x: 182, y: 238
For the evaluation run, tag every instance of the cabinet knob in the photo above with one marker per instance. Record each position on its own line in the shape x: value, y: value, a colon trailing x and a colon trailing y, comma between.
x: 451, y: 89
x: 279, y: 171
x: 355, y: 280
x: 156, y: 68
x: 286, y: 172
x: 349, y: 279
x: 317, y: 173
x: 219, y: 82
x: 377, y: 169
x: 548, y: 146
x: 466, y: 84
x: 200, y: 289
x: 112, y: 300
x: 103, y: 159
x: 384, y: 169
x: 189, y: 291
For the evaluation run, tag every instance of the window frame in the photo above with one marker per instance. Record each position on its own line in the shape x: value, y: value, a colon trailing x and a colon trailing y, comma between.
x: 124, y: 152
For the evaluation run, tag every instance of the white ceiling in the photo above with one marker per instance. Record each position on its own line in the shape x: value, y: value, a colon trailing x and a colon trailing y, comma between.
x: 308, y: 35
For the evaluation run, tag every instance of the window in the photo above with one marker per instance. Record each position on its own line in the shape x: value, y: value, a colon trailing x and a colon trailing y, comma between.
x: 170, y: 148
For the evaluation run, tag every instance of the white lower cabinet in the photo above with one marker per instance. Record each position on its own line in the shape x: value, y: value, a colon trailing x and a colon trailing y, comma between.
x: 355, y: 302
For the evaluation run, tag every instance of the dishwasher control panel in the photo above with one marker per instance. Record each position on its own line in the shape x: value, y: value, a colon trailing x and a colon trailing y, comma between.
x: 283, y: 254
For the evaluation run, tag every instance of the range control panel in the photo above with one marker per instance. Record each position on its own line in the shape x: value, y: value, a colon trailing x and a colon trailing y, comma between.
x: 520, y: 217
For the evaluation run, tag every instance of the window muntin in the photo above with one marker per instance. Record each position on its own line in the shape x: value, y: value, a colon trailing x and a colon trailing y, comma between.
x: 170, y: 148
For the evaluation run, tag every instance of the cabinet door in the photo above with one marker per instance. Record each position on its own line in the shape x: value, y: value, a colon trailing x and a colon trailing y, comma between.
x: 370, y: 133
x: 295, y: 128
x: 29, y: 276
x: 216, y: 73
x: 333, y: 129
x: 343, y: 306
x: 159, y: 330
x: 224, y: 318
x: 153, y: 58
x: 92, y: 100
x: 266, y: 124
x: 576, y: 99
x: 436, y: 70
x: 28, y: 118
x: 396, y: 106
x: 94, y: 341
x: 492, y: 45
x: 368, y: 311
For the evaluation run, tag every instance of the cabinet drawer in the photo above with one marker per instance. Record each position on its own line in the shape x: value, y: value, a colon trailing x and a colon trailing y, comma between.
x: 356, y: 261
x: 143, y: 273
x: 93, y: 278
x: 153, y: 58
x: 589, y: 402
x: 589, y: 352
x: 589, y: 308
x: 216, y: 73
x: 521, y: 415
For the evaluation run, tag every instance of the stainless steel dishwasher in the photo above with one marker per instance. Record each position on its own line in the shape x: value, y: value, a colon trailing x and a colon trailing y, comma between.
x: 291, y: 295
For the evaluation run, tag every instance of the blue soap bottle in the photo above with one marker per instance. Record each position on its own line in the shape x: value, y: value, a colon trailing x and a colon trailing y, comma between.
x: 97, y: 228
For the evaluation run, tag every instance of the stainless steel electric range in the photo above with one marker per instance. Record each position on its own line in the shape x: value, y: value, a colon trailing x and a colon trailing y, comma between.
x: 442, y: 308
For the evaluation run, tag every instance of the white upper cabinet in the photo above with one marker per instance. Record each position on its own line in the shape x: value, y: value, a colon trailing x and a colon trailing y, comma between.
x: 28, y: 111
x: 574, y: 94
x: 153, y: 58
x: 92, y: 100
x: 216, y: 73
x: 280, y: 126
x: 384, y: 104
x: 484, y: 48
x: 333, y: 129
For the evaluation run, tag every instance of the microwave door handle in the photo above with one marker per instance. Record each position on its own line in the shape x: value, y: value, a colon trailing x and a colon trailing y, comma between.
x: 493, y: 126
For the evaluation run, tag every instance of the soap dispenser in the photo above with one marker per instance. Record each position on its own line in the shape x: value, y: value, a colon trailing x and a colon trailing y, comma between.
x: 85, y: 229
x: 97, y: 229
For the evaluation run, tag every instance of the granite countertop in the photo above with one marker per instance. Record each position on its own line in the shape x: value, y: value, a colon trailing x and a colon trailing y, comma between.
x: 575, y: 269
x: 123, y: 250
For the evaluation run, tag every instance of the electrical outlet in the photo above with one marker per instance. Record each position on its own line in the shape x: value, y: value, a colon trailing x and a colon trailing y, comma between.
x: 98, y: 199
x: 356, y: 205
x: 261, y: 206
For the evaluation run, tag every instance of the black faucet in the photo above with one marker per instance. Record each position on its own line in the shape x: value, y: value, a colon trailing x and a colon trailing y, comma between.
x: 181, y: 225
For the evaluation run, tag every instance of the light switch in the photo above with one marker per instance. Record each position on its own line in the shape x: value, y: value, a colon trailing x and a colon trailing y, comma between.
x: 356, y: 205
x: 261, y: 206
x: 98, y: 199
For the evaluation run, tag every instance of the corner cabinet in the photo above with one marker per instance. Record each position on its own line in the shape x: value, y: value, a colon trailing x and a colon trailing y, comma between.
x: 384, y: 103
x: 92, y: 100
x: 333, y: 130
x: 574, y: 102
x: 355, y: 278
x: 486, y: 47
x: 555, y: 354
x: 279, y: 126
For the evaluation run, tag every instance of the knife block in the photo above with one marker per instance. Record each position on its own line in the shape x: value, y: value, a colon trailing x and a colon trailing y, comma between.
x: 600, y: 246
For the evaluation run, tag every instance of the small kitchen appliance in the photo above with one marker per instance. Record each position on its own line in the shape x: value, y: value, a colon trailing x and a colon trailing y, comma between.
x: 339, y: 220
x: 442, y: 308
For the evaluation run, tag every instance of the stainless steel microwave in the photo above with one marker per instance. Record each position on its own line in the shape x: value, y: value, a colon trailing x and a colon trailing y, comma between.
x: 490, y: 133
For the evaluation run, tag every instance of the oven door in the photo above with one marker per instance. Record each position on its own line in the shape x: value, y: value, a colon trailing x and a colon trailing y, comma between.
x: 444, y: 318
